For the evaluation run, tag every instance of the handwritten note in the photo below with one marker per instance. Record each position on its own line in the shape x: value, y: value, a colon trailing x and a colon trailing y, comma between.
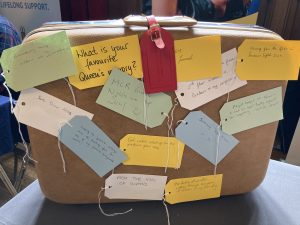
x: 252, y: 111
x: 38, y: 62
x: 135, y: 186
x: 125, y: 95
x: 201, y: 133
x: 193, y: 188
x: 45, y: 112
x: 198, y: 58
x: 268, y: 60
x: 95, y: 61
x: 193, y: 94
x: 145, y: 150
x: 91, y: 144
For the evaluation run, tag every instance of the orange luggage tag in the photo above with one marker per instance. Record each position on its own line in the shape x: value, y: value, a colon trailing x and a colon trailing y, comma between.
x: 158, y: 59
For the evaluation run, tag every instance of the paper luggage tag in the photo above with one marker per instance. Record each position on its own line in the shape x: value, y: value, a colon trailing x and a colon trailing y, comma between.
x: 38, y: 62
x: 135, y: 186
x: 193, y: 188
x: 45, y: 112
x: 196, y: 93
x: 146, y: 150
x: 91, y: 144
x: 268, y: 60
x: 252, y: 111
x: 125, y: 95
x: 198, y: 58
x: 158, y: 59
x: 95, y: 61
x: 200, y: 133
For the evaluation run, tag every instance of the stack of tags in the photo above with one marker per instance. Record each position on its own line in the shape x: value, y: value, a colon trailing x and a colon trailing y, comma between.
x: 203, y: 74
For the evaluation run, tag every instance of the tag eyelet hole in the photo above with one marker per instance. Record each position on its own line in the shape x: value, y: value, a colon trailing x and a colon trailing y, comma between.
x: 182, y: 94
x: 23, y: 103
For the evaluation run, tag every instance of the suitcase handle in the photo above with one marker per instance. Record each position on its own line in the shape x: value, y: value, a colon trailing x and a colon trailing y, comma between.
x: 173, y: 21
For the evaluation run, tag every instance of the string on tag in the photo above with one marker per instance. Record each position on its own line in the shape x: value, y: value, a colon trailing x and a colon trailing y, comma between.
x: 219, y: 132
x: 218, y: 144
x: 178, y: 156
x: 72, y: 91
x: 102, y: 211
x: 170, y: 130
x: 168, y: 150
x: 145, y: 111
x: 167, y: 210
x: 59, y: 146
x: 9, y: 94
x: 178, y: 153
x: 27, y: 155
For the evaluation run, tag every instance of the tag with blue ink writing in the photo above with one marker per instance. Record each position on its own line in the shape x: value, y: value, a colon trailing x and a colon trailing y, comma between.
x: 200, y: 133
x: 91, y: 144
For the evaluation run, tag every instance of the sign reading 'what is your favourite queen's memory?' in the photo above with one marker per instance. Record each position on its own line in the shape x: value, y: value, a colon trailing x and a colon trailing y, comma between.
x: 95, y: 61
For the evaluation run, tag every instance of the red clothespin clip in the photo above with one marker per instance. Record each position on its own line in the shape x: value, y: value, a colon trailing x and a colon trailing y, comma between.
x: 158, y: 59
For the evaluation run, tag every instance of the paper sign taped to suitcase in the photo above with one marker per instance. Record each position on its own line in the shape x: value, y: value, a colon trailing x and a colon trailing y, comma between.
x: 268, y: 60
x: 198, y: 58
x: 252, y: 111
x: 205, y: 137
x: 125, y: 95
x: 193, y: 188
x: 38, y: 62
x: 91, y: 144
x: 196, y: 93
x: 146, y: 150
x: 45, y: 112
x: 95, y: 61
x: 135, y: 186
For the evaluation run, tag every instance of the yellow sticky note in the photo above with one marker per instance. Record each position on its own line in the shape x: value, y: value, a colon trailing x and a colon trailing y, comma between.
x: 95, y: 61
x: 193, y: 188
x: 268, y: 60
x: 198, y: 58
x: 145, y: 150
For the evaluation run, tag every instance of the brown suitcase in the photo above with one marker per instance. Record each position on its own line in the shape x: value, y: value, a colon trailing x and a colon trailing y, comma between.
x: 243, y: 169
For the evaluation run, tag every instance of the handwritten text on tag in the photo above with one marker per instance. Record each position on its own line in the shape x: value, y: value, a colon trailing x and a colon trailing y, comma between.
x: 145, y: 150
x: 196, y: 93
x: 45, y: 112
x: 252, y: 111
x: 193, y: 188
x: 135, y: 186
x: 125, y: 95
x: 95, y: 61
x: 201, y: 134
x: 268, y: 60
x: 91, y: 144
x: 38, y: 62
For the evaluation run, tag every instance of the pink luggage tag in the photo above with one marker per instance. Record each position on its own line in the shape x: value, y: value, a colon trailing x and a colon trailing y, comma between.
x: 158, y: 59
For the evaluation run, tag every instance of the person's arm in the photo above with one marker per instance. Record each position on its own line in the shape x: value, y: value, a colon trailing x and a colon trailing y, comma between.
x: 164, y: 7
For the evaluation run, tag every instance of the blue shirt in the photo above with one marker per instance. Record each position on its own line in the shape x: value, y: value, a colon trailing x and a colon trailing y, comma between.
x: 9, y: 37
